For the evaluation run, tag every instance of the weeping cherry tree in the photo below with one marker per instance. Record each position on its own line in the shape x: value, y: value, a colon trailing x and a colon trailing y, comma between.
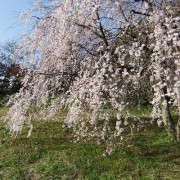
x: 94, y: 58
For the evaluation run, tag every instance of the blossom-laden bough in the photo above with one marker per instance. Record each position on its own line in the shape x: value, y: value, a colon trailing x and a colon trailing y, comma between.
x: 95, y: 59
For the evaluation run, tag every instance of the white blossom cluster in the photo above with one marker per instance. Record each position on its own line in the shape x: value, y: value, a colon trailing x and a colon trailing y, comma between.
x: 95, y: 58
x: 165, y: 59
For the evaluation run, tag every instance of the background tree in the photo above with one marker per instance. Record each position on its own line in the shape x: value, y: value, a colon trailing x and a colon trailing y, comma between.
x: 11, y: 72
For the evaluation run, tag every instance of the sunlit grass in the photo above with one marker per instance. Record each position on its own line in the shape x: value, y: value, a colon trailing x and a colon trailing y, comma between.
x: 49, y: 154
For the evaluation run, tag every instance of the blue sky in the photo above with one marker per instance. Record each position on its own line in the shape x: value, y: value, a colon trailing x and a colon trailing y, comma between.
x: 9, y: 28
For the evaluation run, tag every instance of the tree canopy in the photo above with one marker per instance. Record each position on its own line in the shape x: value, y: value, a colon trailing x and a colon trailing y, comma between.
x: 97, y: 58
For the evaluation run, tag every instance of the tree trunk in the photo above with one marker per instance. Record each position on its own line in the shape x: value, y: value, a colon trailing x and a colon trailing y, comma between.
x: 178, y: 131
x: 168, y: 120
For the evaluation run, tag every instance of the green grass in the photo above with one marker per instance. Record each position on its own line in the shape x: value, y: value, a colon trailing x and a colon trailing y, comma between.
x: 48, y: 154
x: 140, y: 111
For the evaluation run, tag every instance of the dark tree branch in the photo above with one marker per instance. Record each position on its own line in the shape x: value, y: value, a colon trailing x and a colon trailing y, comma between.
x: 101, y: 29
x: 138, y: 12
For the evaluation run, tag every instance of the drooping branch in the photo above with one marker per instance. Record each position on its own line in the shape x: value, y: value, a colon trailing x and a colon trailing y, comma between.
x: 101, y: 36
x: 101, y: 29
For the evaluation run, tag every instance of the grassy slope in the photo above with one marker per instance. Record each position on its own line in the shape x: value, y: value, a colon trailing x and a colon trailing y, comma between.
x: 48, y: 154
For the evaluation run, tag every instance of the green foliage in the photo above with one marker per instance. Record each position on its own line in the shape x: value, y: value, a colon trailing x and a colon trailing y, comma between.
x: 49, y: 154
